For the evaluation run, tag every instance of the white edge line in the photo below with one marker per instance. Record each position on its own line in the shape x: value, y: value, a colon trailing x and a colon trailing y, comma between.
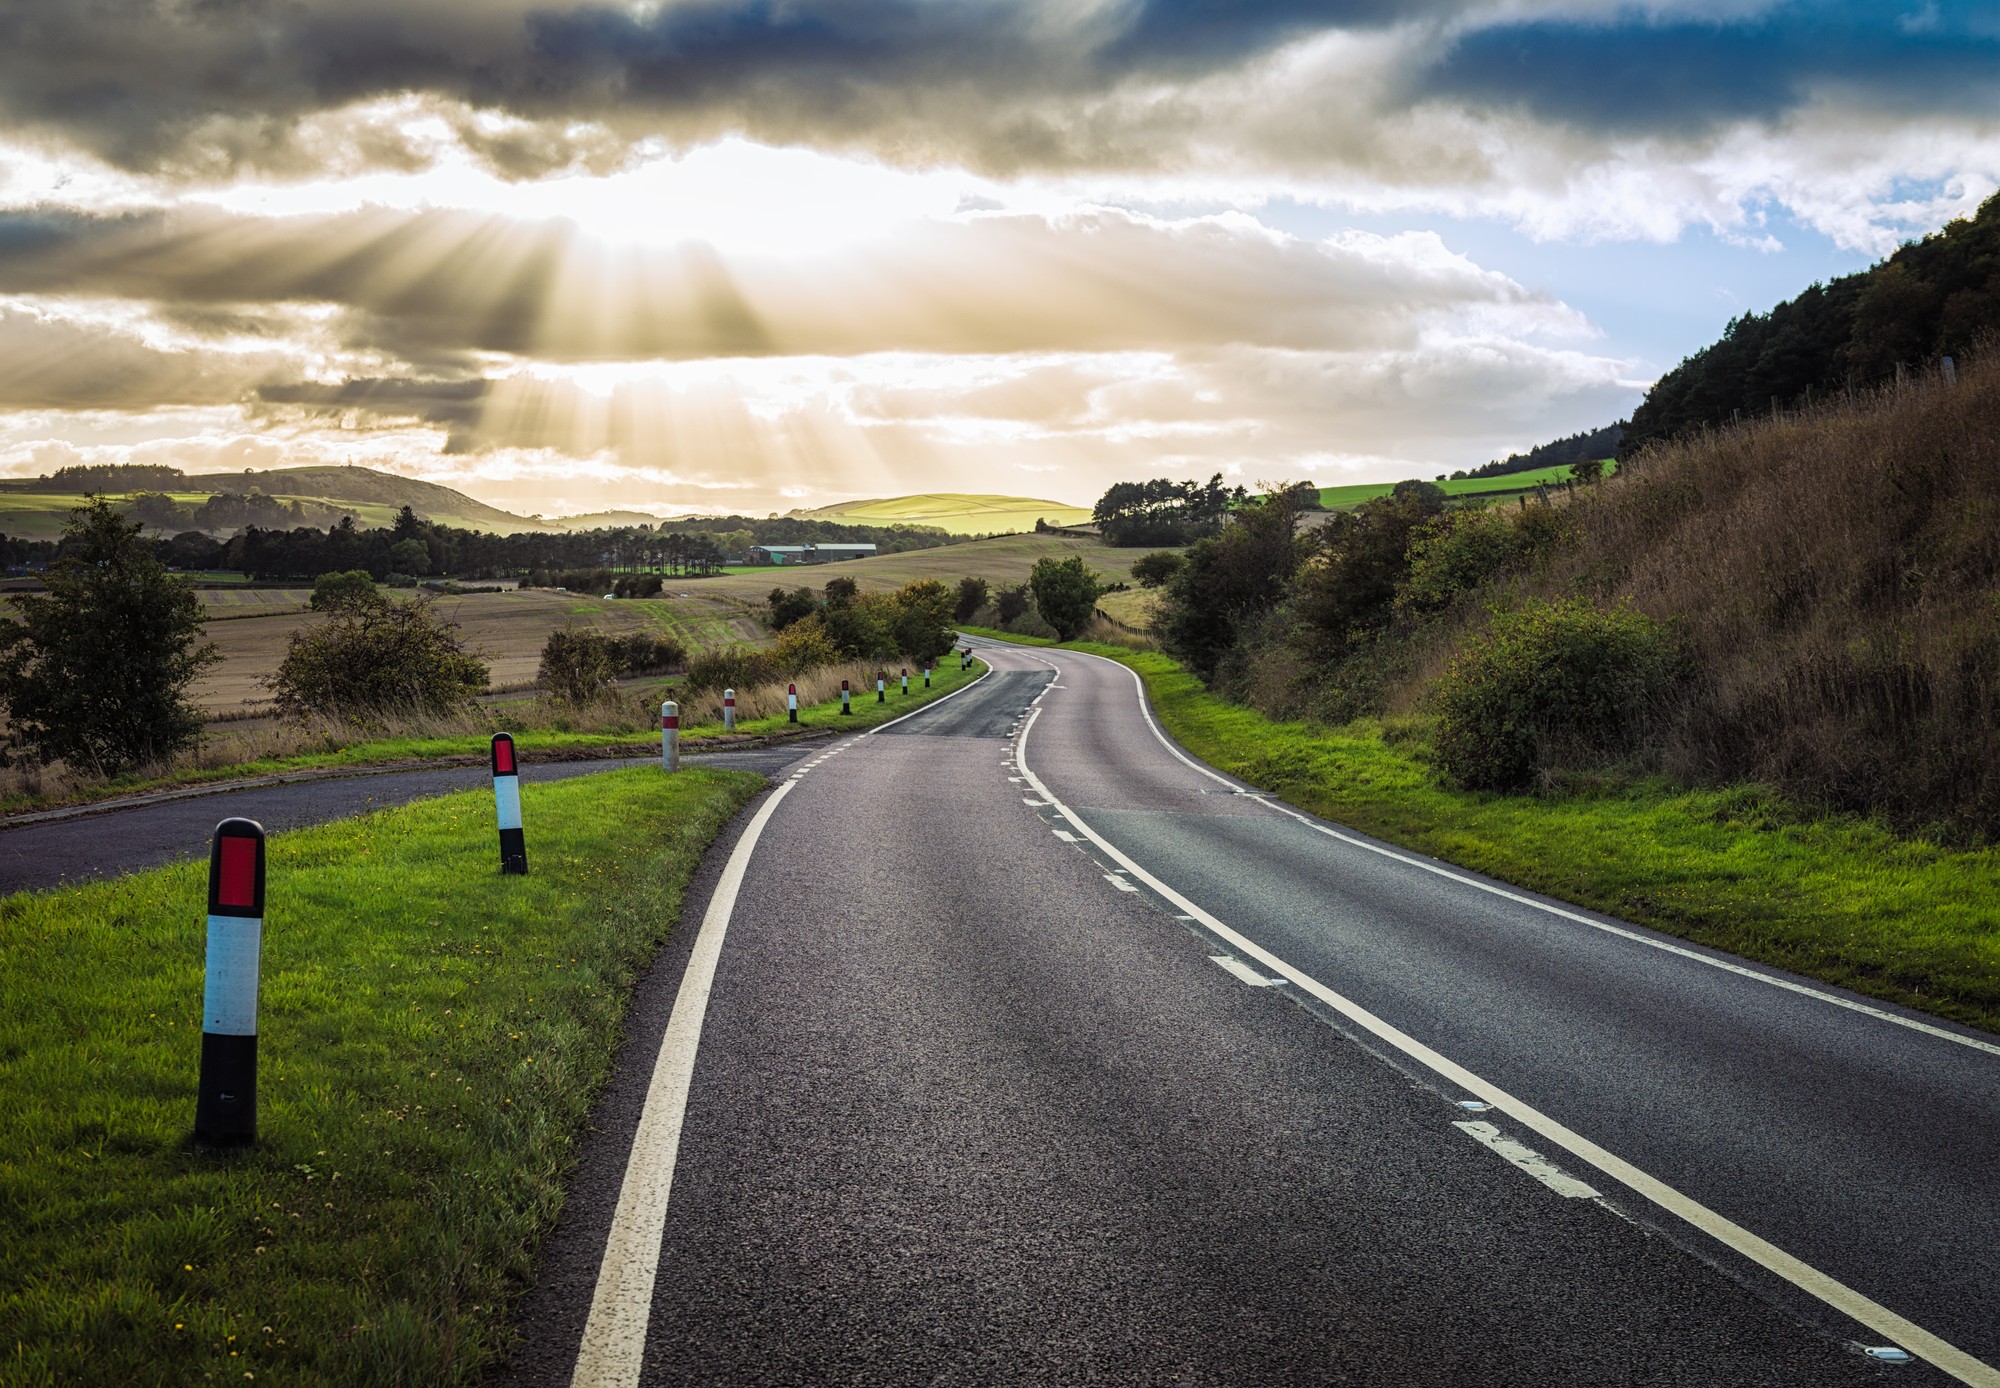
x: 1528, y: 1160
x: 1727, y: 966
x: 1727, y: 1232
x: 614, y: 1337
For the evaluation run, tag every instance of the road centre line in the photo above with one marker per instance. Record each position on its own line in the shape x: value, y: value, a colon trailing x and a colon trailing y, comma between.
x: 614, y: 1336
x: 1436, y: 869
x: 1849, y: 1302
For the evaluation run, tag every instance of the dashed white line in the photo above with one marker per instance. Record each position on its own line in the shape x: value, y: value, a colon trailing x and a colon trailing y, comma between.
x: 1229, y: 963
x: 1120, y: 883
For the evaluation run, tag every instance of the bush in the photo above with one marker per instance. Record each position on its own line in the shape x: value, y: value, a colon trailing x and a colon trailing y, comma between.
x: 638, y: 585
x: 731, y: 667
x: 645, y: 654
x: 924, y: 618
x: 1010, y: 603
x: 336, y: 590
x: 1066, y: 594
x: 378, y: 657
x: 1156, y: 568
x: 791, y: 606
x: 96, y: 673
x: 971, y: 597
x: 1563, y: 681
x: 579, y: 665
x: 1453, y: 553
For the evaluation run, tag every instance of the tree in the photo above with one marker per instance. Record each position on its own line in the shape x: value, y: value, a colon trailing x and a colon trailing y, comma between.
x: 1156, y: 568
x: 792, y: 606
x: 410, y: 556
x: 375, y: 657
x: 971, y: 597
x: 1163, y: 511
x: 96, y: 672
x: 1232, y: 580
x: 1011, y: 602
x: 1066, y: 594
x: 336, y: 590
x: 923, y: 619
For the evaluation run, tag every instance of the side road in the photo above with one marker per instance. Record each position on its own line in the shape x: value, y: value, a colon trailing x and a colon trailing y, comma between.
x: 110, y: 841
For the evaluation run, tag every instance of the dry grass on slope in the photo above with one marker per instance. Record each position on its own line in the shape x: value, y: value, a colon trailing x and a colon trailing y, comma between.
x: 1835, y: 578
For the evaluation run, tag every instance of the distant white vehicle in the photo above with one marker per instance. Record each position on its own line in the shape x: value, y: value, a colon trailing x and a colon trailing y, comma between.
x: 611, y: 597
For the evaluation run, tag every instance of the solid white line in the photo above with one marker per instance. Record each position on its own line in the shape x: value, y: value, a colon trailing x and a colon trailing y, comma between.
x: 1807, y: 1278
x: 1727, y: 966
x: 614, y: 1338
x: 1229, y: 963
x: 884, y: 727
x: 1530, y: 1161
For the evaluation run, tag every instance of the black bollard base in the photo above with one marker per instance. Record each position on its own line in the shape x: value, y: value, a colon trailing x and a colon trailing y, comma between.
x: 513, y: 852
x: 225, y: 1106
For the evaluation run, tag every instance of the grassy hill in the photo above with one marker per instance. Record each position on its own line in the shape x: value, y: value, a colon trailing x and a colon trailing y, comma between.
x: 962, y: 513
x: 1494, y: 488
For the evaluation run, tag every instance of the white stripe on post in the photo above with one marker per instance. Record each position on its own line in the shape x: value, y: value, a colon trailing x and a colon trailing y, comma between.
x: 225, y: 1109
x: 670, y: 735
x: 729, y: 710
x: 906, y: 681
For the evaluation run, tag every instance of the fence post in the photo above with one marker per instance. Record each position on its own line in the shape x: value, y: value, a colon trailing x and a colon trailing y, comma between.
x: 791, y: 703
x: 729, y: 710
x: 507, y: 803
x: 843, y: 698
x: 225, y: 1106
x: 670, y: 735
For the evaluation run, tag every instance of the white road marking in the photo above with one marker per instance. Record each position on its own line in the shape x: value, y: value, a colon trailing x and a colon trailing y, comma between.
x: 1065, y: 835
x: 1120, y: 883
x: 1727, y: 966
x: 1038, y: 804
x: 1231, y: 964
x: 1532, y: 1162
x: 884, y: 727
x: 1841, y: 1297
x: 614, y: 1337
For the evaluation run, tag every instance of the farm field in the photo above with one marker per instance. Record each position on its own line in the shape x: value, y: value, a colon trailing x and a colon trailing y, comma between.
x: 1341, y: 498
x: 962, y: 513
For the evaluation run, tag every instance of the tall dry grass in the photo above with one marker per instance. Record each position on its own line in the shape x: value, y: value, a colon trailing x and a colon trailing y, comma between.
x: 1835, y: 577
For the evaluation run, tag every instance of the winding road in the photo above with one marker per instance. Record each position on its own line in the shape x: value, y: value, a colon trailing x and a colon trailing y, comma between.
x: 1008, y: 1043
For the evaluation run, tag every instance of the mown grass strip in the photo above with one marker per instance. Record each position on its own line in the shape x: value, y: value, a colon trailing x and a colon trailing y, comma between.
x: 431, y: 1035
x: 381, y: 751
x: 1739, y: 868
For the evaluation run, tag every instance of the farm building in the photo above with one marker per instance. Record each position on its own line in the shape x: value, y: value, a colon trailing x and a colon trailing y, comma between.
x: 806, y: 554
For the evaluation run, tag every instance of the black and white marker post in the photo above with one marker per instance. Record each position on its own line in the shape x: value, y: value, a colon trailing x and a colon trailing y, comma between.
x: 225, y: 1106
x: 929, y: 665
x: 670, y: 735
x: 906, y: 681
x: 791, y: 703
x: 844, y: 707
x: 729, y: 710
x: 881, y: 679
x: 507, y: 800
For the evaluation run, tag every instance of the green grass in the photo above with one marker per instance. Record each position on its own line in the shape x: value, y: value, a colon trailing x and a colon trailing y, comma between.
x: 1341, y: 498
x: 431, y: 1036
x: 1739, y: 868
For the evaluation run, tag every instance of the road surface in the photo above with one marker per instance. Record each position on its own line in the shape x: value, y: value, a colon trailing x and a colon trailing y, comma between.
x: 1036, y: 1052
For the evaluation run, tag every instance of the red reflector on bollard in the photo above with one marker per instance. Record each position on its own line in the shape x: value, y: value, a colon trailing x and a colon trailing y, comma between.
x: 671, y: 720
x: 503, y: 757
x: 236, y: 884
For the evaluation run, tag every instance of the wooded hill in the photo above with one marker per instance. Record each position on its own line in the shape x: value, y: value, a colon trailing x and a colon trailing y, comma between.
x: 1933, y: 298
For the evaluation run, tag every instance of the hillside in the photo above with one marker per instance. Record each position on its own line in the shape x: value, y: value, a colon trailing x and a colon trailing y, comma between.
x: 1494, y: 487
x: 1933, y: 298
x: 365, y: 486
x: 959, y: 512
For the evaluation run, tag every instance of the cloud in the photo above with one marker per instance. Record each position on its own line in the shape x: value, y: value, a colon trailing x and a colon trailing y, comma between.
x: 56, y: 360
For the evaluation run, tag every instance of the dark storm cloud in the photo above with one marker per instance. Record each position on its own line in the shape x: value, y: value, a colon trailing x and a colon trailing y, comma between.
x: 434, y: 402
x: 203, y: 87
x: 1689, y: 77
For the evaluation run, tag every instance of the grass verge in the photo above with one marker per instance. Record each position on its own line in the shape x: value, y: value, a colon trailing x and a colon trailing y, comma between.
x: 533, y: 740
x: 1739, y: 868
x: 431, y: 1036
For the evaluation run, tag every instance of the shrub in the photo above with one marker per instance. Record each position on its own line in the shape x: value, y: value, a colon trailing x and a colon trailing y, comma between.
x: 1066, y: 594
x: 730, y: 667
x: 579, y: 665
x: 96, y: 673
x: 1156, y: 568
x: 791, y: 606
x: 1553, y: 681
x: 1453, y: 553
x: 642, y: 653
x: 923, y: 624
x: 335, y: 590
x: 377, y: 657
x: 804, y: 647
x: 638, y: 585
x: 1010, y: 603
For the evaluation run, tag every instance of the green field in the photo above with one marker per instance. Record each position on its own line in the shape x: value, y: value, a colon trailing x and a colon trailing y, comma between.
x: 431, y: 1035
x: 1738, y: 868
x: 961, y: 513
x: 1343, y: 498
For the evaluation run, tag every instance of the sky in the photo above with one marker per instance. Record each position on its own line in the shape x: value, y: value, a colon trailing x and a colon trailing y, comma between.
x: 706, y: 256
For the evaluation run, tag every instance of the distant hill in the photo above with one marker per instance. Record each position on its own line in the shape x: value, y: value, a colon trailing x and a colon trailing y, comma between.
x: 601, y: 520
x: 365, y: 486
x: 1594, y: 443
x: 961, y: 513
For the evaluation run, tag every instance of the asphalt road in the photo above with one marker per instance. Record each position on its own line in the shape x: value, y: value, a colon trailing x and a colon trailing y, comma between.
x: 974, y: 1103
x: 114, y: 840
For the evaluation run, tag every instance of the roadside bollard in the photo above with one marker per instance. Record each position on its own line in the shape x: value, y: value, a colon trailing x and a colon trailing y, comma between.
x: 929, y: 665
x: 729, y: 710
x: 906, y: 681
x: 670, y: 735
x: 791, y: 703
x: 507, y: 802
x: 225, y: 1106
x: 843, y: 698
x: 881, y: 683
